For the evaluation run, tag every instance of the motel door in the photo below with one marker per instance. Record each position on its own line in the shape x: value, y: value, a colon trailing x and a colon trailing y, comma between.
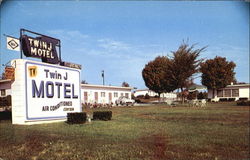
x: 96, y: 97
x: 110, y: 97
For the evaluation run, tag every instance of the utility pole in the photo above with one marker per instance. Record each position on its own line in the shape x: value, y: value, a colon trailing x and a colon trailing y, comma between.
x: 103, y: 77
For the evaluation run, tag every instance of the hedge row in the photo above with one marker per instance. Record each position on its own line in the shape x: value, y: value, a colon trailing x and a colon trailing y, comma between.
x: 227, y: 99
x: 243, y: 103
x: 76, y: 118
x: 5, y: 101
x: 81, y: 117
x: 102, y: 115
x: 6, y: 115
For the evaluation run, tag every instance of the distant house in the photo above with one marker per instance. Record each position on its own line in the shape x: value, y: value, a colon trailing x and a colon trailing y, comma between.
x: 233, y: 91
x: 5, y: 87
x: 143, y: 92
x: 101, y: 94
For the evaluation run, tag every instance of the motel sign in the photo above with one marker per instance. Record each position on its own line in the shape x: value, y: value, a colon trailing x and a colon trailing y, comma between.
x: 44, y: 91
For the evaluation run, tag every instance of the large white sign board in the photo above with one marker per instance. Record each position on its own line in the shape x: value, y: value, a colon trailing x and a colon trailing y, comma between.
x: 46, y: 92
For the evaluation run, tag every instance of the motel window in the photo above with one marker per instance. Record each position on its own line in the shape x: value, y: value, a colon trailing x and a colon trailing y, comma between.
x: 3, y: 92
x: 126, y: 95
x: 235, y: 92
x: 85, y: 96
x: 102, y: 94
x: 220, y: 93
x: 115, y: 94
x: 96, y: 96
x: 227, y: 93
x: 121, y: 94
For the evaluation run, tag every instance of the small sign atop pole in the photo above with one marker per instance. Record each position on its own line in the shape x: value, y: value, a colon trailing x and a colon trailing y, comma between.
x: 13, y: 43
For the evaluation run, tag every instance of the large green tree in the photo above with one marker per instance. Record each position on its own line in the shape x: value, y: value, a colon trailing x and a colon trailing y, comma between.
x: 185, y: 65
x: 217, y: 73
x: 155, y: 75
x: 167, y: 74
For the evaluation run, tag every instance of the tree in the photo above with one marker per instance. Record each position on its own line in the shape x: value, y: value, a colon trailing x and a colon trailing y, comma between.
x: 217, y: 73
x: 202, y: 95
x: 185, y: 65
x: 155, y: 75
x: 125, y: 84
x: 167, y: 74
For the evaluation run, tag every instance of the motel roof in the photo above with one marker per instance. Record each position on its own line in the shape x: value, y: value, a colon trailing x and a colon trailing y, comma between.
x: 238, y: 85
x: 105, y: 86
x: 142, y: 90
x: 5, y: 80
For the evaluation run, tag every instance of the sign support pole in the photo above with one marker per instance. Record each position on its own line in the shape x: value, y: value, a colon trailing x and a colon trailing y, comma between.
x: 60, y: 59
x: 20, y: 39
x: 103, y: 77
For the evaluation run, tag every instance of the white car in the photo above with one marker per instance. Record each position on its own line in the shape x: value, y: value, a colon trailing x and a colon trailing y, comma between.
x: 124, y: 101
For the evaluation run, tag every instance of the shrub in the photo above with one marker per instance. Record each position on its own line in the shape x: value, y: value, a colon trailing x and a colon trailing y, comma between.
x: 231, y: 99
x: 227, y: 99
x: 243, y: 99
x: 191, y: 95
x: 243, y: 103
x: 147, y: 96
x: 223, y: 99
x: 137, y: 100
x: 6, y: 115
x: 140, y: 96
x: 76, y: 118
x: 5, y: 101
x: 102, y: 115
x: 132, y: 96
x: 202, y: 95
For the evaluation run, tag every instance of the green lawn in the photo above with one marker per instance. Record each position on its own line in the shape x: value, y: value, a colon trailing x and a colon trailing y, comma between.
x: 218, y: 131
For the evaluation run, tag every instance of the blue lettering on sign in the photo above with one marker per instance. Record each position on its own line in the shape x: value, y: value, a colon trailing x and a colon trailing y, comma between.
x: 50, y: 88
x: 73, y: 92
x: 35, y: 91
x: 66, y: 85
x: 50, y: 85
x: 58, y: 84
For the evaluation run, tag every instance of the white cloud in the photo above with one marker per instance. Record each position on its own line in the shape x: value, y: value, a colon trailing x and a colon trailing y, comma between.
x: 76, y: 34
x: 77, y: 42
x: 115, y: 56
x: 230, y: 52
x: 72, y: 35
x: 110, y: 44
x: 237, y: 54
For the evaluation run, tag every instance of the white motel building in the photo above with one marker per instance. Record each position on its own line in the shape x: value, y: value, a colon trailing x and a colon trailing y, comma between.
x: 90, y: 93
x: 102, y: 94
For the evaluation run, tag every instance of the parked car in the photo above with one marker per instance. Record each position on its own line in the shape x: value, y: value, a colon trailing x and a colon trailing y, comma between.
x: 124, y: 101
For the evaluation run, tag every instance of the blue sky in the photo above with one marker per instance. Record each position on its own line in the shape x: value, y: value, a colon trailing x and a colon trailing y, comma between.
x: 121, y: 37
